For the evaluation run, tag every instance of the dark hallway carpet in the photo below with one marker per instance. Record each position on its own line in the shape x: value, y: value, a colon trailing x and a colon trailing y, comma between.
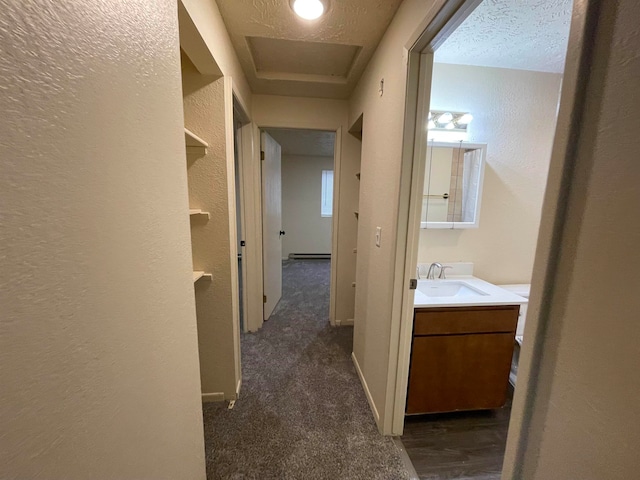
x: 302, y: 413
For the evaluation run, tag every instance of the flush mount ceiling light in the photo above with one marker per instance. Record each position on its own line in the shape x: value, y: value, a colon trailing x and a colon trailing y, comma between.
x: 308, y: 9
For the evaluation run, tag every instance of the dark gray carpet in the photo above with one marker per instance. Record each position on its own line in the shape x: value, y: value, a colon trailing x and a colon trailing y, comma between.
x: 302, y: 413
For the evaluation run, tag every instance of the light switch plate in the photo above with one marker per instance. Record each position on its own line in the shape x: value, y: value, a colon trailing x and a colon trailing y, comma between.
x: 378, y: 236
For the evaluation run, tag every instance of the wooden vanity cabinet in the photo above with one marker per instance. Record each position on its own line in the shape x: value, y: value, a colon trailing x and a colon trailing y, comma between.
x: 460, y: 358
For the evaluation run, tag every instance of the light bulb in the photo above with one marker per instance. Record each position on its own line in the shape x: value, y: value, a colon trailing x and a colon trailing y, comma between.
x: 445, y: 118
x: 465, y: 119
x: 308, y: 9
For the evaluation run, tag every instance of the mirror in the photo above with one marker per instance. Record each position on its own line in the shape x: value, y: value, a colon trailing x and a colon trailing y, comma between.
x: 452, y: 185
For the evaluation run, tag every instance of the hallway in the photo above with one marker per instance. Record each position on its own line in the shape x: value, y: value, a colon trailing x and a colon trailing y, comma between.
x: 302, y: 412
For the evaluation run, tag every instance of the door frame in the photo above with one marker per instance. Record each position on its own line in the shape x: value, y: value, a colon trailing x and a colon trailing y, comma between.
x: 251, y: 224
x: 337, y: 151
x: 423, y: 43
x: 240, y: 121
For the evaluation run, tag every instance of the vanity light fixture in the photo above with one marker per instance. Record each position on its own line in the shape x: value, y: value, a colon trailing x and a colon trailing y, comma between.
x: 465, y: 119
x: 309, y: 9
x: 448, y: 125
x: 444, y: 118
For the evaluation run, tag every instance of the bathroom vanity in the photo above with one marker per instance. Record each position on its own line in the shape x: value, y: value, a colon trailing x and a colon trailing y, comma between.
x: 462, y: 345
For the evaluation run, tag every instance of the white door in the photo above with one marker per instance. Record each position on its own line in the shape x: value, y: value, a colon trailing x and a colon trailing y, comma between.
x: 271, y: 223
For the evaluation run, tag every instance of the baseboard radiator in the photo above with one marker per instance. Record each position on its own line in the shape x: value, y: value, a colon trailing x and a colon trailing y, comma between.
x: 309, y: 256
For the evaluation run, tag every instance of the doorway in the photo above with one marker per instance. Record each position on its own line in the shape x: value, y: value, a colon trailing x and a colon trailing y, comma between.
x: 474, y: 104
x: 297, y: 199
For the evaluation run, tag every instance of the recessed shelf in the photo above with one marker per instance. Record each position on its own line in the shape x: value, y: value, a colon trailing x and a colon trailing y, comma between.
x: 197, y: 275
x: 194, y: 212
x: 194, y: 143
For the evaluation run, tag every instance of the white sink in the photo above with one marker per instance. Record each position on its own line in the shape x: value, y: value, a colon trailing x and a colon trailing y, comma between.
x: 460, y: 291
x: 439, y: 288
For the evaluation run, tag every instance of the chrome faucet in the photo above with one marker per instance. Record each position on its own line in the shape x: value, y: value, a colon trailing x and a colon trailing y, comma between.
x: 431, y: 272
x: 442, y: 271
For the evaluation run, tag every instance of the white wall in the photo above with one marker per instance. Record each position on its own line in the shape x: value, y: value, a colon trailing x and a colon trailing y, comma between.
x: 514, y: 113
x: 322, y: 114
x: 306, y: 231
x: 98, y: 345
x: 205, y: 14
x: 578, y: 415
x: 208, y: 113
x: 382, y: 136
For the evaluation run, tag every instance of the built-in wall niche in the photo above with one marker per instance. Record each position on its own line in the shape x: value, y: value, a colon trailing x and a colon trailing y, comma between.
x: 453, y: 180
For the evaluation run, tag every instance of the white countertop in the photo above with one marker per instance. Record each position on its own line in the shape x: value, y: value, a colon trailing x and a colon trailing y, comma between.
x: 494, y: 295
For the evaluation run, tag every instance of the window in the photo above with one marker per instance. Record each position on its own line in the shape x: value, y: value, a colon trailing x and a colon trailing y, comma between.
x: 326, y: 205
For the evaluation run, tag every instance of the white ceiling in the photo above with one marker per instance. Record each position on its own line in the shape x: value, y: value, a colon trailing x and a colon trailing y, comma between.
x: 282, y: 54
x: 519, y: 34
x: 304, y: 142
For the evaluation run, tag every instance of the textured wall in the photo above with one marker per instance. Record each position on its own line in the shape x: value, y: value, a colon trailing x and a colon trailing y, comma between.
x: 208, y: 21
x: 514, y: 113
x: 98, y: 347
x: 581, y: 403
x: 208, y: 114
x: 320, y: 114
x: 307, y: 231
x: 379, y: 191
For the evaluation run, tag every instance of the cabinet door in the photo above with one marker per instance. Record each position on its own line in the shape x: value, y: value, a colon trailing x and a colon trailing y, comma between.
x: 459, y: 372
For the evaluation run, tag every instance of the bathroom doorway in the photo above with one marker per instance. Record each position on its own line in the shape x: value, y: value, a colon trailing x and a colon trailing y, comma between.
x: 483, y: 118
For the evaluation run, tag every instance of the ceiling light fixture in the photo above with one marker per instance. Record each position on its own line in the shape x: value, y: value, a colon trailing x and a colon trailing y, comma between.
x: 308, y: 9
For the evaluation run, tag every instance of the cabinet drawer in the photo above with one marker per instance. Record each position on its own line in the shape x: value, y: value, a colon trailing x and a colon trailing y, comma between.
x: 458, y: 320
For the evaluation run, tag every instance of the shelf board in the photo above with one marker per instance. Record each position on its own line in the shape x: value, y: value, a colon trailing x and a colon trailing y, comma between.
x: 192, y: 140
x: 193, y: 212
x: 194, y: 143
x: 197, y: 275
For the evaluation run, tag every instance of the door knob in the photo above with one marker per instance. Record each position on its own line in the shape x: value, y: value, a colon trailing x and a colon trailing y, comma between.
x: 282, y: 232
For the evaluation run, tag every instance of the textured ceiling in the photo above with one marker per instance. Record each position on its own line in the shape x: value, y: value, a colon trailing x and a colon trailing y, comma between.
x: 304, y: 142
x: 282, y: 54
x: 307, y: 58
x: 519, y: 34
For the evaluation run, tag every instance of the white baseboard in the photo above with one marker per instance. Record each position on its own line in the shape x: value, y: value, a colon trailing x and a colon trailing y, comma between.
x: 366, y: 388
x: 344, y: 323
x: 238, y: 388
x: 220, y: 396
x: 212, y: 397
